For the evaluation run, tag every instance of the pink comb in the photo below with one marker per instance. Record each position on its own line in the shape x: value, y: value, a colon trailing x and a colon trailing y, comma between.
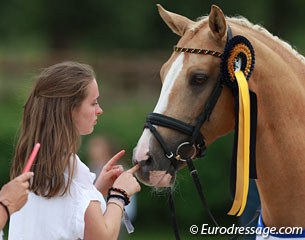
x: 31, y: 158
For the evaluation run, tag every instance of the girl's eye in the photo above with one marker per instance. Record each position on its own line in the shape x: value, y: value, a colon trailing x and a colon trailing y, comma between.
x: 198, y: 79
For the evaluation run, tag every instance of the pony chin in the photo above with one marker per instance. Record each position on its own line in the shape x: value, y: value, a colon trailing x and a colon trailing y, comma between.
x: 159, y: 179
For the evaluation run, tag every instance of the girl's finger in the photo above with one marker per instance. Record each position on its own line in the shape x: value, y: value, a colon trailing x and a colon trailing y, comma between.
x: 25, y: 176
x: 118, y: 167
x: 114, y: 159
x: 133, y: 169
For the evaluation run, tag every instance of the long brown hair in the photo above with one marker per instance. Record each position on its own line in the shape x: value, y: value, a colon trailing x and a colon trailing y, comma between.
x: 47, y: 119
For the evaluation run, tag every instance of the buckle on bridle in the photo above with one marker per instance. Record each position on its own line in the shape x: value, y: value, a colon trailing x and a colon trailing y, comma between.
x: 186, y: 150
x: 170, y: 155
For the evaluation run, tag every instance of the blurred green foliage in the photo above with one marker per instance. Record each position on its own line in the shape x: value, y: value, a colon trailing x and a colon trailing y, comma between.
x: 127, y: 43
x: 107, y: 24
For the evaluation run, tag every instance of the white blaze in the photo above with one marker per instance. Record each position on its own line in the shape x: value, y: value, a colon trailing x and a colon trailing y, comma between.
x: 143, y: 143
x: 168, y: 83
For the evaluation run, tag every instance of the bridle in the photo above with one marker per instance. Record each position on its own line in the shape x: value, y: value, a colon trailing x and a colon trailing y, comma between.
x: 195, y: 147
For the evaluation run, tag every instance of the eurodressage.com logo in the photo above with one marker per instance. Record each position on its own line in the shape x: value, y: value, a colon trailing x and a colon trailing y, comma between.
x: 236, y: 230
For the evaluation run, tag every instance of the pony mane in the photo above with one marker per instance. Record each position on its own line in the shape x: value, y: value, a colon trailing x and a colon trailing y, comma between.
x: 242, y: 21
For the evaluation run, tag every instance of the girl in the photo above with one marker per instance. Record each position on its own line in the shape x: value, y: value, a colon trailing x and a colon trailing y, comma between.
x: 64, y: 203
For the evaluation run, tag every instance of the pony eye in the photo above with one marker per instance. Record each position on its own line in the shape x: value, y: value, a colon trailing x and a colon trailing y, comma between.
x: 198, y: 79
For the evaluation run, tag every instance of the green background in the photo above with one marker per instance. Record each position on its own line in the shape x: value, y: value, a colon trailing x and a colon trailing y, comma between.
x: 126, y: 42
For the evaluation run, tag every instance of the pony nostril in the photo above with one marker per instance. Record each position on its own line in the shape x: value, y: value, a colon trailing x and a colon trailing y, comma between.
x: 145, y: 163
x: 149, y: 161
x: 134, y: 161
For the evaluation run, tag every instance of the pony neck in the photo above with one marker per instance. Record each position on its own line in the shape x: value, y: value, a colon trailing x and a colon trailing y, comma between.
x: 278, y: 82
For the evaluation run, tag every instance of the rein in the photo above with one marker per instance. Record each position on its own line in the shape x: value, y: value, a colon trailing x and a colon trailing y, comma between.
x: 195, y: 147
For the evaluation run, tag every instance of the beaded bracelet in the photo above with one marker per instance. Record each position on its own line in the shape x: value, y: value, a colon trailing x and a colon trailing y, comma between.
x: 126, y: 200
x: 119, y: 190
x: 6, y: 209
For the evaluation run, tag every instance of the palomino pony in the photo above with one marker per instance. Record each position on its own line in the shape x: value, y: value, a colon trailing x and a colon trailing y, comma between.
x: 188, y: 82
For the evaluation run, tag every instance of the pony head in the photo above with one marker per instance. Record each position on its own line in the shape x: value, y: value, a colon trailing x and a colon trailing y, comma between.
x: 188, y: 81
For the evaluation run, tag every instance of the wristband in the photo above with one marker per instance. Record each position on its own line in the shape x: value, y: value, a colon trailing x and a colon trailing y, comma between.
x: 126, y: 219
x: 122, y: 209
x: 126, y: 200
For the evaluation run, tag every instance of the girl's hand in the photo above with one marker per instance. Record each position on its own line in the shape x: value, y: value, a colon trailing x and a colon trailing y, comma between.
x: 109, y: 173
x: 128, y: 182
x: 15, y: 193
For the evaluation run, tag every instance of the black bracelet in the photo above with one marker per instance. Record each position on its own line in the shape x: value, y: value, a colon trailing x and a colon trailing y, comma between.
x: 126, y: 200
x: 6, y: 209
x: 119, y: 190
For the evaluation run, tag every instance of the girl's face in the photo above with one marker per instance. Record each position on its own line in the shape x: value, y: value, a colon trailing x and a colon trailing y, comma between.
x: 85, y: 116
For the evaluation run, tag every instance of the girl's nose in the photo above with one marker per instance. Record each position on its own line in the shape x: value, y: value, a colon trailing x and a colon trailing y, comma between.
x: 99, y: 110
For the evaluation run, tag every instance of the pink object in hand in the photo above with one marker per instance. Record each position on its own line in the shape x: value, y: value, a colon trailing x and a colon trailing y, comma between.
x: 31, y: 158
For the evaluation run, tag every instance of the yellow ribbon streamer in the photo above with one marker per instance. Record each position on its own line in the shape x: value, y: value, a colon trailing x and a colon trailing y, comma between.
x: 243, y: 147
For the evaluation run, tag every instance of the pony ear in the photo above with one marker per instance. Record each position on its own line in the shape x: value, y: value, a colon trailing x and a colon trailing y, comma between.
x: 177, y: 23
x: 217, y: 22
